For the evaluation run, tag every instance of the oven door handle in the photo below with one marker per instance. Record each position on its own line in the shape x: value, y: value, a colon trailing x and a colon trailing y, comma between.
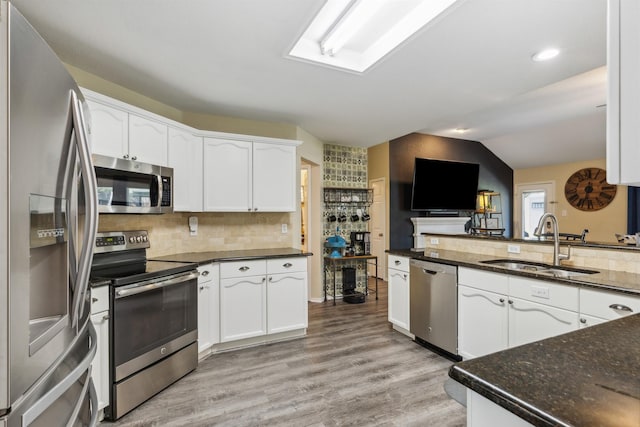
x: 153, y: 285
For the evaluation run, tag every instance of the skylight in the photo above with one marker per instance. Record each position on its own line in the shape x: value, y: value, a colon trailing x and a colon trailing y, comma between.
x: 355, y: 34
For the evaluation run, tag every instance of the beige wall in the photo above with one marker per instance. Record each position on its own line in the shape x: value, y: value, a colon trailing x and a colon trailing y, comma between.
x: 378, y: 167
x: 602, y: 224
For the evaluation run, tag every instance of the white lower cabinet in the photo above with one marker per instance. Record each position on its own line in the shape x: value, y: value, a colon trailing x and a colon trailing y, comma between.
x: 498, y: 311
x: 483, y: 322
x: 100, y: 363
x: 208, y: 306
x: 597, y: 306
x: 530, y: 321
x: 398, y: 291
x: 262, y: 297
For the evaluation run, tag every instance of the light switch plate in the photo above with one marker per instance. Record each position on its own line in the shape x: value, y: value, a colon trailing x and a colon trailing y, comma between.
x: 284, y: 228
x: 539, y: 291
x: 513, y: 249
x: 435, y: 241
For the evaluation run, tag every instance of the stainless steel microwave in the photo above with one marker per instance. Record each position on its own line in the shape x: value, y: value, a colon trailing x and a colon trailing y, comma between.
x: 128, y: 186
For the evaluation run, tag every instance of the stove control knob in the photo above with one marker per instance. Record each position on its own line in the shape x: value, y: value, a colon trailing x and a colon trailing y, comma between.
x: 132, y: 239
x: 138, y: 239
x: 145, y: 238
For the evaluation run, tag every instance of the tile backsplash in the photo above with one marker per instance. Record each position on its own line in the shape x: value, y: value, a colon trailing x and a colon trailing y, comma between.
x: 169, y: 233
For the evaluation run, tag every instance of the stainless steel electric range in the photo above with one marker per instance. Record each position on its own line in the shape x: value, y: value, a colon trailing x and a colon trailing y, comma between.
x: 153, y: 317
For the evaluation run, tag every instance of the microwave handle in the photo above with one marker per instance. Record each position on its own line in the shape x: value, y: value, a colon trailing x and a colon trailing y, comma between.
x: 159, y: 178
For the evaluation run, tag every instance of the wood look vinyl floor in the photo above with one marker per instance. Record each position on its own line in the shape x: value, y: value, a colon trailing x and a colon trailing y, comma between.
x: 351, y: 369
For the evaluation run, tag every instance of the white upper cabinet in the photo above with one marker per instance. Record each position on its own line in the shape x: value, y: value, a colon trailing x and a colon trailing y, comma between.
x: 147, y: 140
x: 185, y: 157
x: 109, y: 130
x: 274, y: 177
x: 246, y: 176
x: 227, y: 175
x: 116, y: 132
x: 623, y: 92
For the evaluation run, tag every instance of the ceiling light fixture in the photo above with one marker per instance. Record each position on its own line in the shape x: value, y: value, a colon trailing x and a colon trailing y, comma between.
x: 546, y: 54
x: 357, y: 14
x: 355, y: 34
x: 461, y: 130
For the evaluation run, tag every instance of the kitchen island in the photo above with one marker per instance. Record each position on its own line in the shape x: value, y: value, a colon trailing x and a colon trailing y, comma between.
x: 590, y: 377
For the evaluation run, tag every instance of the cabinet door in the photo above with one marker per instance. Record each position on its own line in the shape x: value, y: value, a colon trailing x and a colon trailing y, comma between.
x: 274, y: 177
x: 185, y: 157
x: 227, y: 175
x: 623, y: 92
x: 530, y: 321
x: 208, y: 307
x: 286, y: 302
x: 147, y: 140
x: 482, y: 322
x: 398, y: 309
x: 242, y: 308
x: 100, y: 363
x: 108, y: 130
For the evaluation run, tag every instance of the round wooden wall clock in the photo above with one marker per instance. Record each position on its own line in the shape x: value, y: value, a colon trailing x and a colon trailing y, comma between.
x: 588, y: 190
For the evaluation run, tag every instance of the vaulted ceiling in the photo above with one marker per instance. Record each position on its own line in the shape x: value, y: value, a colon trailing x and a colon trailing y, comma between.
x: 470, y: 68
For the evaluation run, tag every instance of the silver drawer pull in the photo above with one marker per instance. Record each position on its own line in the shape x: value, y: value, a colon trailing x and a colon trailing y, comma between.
x: 94, y: 300
x: 243, y: 268
x: 398, y: 262
x: 205, y: 273
x: 620, y: 307
x: 287, y: 265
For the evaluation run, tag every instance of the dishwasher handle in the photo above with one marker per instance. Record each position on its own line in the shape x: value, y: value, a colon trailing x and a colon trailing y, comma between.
x: 432, y: 272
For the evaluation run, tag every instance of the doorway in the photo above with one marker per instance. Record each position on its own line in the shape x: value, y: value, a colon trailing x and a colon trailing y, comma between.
x: 532, y: 200
x: 305, y: 174
x: 377, y: 226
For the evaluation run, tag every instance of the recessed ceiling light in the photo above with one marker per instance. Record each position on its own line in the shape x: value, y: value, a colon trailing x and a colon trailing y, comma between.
x: 355, y: 34
x: 546, y: 54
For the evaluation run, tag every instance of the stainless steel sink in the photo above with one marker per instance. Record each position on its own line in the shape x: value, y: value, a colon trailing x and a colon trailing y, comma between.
x: 539, y: 268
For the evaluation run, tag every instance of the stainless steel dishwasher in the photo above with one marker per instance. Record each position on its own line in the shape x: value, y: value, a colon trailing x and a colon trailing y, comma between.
x: 433, y: 312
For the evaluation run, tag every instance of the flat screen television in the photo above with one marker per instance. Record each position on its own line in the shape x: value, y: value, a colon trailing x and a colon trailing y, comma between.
x: 444, y: 186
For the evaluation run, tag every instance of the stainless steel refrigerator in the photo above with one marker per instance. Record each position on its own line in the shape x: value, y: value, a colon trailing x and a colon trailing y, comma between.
x: 48, y: 222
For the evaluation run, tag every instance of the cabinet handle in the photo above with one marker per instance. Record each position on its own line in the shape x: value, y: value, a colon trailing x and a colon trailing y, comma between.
x: 501, y: 300
x: 205, y: 273
x: 255, y: 209
x: 126, y: 156
x: 94, y: 300
x: 287, y: 265
x: 105, y: 317
x: 202, y: 288
x: 404, y: 276
x: 264, y: 279
x: 243, y: 268
x: 620, y: 307
x: 270, y: 278
x: 398, y: 262
x: 134, y: 158
x: 510, y: 301
x: 583, y: 320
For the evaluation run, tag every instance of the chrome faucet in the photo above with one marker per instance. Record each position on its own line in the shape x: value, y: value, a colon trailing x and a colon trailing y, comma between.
x: 539, y: 231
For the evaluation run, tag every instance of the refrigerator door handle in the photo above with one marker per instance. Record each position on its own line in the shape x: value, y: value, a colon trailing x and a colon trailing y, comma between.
x: 93, y: 395
x: 61, y: 387
x: 91, y: 209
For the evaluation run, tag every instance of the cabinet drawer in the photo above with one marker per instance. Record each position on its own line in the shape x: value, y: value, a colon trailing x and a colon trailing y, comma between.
x: 598, y: 303
x: 243, y: 268
x: 99, y: 299
x: 481, y: 279
x: 207, y: 272
x: 398, y: 262
x: 284, y: 265
x: 548, y: 293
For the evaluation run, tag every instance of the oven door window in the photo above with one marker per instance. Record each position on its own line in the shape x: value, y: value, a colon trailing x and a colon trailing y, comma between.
x: 120, y: 188
x: 148, y: 320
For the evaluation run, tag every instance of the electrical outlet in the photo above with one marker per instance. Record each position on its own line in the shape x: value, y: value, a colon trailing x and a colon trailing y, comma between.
x: 284, y: 228
x: 540, y: 292
x: 513, y: 249
x: 435, y: 241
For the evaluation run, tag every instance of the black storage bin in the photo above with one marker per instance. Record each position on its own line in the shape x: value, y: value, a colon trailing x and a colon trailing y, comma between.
x: 349, y: 293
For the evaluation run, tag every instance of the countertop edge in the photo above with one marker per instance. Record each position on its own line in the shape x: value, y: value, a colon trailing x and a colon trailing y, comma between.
x: 585, y: 281
x: 208, y: 257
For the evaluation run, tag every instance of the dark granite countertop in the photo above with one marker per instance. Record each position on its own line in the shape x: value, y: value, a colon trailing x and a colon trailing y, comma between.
x: 589, y: 377
x: 618, y: 281
x: 237, y: 255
